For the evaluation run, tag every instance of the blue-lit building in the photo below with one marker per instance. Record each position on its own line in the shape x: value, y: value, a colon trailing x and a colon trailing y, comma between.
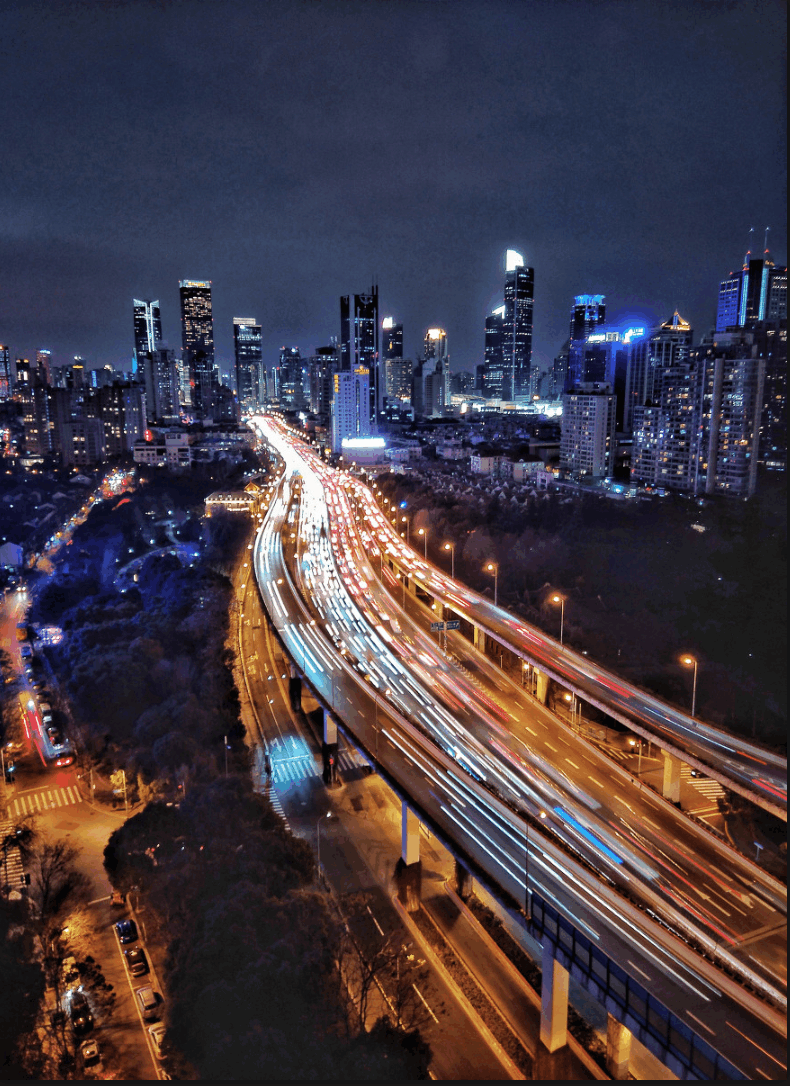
x: 588, y: 315
x: 757, y: 292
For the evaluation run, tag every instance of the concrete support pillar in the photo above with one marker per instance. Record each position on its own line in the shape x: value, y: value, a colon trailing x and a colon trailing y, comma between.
x: 409, y: 869
x: 480, y: 639
x: 670, y: 785
x: 541, y: 686
x: 553, y: 1001
x: 618, y: 1048
x: 438, y: 611
x: 464, y: 882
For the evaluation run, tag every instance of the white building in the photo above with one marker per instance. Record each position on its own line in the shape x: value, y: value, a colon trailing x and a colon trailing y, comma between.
x: 350, y: 406
x: 587, y: 445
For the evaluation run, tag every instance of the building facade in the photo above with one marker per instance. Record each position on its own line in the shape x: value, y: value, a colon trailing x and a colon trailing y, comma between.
x: 147, y: 328
x: 248, y: 360
x: 350, y: 406
x: 665, y: 346
x: 587, y: 441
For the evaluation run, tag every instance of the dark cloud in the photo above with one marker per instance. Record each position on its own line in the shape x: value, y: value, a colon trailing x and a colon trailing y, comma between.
x: 292, y: 151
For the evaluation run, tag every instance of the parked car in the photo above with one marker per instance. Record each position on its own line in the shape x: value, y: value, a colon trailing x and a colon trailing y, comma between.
x: 127, y: 931
x: 80, y: 1013
x: 137, y: 962
x: 157, y: 1035
x: 149, y: 1003
x: 91, y: 1055
x: 117, y: 898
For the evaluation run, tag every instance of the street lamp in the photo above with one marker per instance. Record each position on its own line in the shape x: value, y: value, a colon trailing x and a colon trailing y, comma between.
x: 691, y: 661
x: 561, y: 601
x: 424, y: 533
x: 408, y: 526
x: 318, y: 837
x: 492, y: 567
x: 451, y: 548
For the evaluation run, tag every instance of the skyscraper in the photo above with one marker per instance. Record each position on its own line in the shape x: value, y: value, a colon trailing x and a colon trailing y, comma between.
x: 587, y: 443
x: 160, y: 379
x: 666, y: 429
x: 247, y: 351
x: 665, y: 346
x: 494, y: 366
x: 392, y: 338
x: 290, y: 380
x: 435, y: 349
x: 359, y: 340
x: 322, y: 367
x: 350, y: 406
x: 517, y: 326
x: 757, y: 292
x: 730, y: 404
x: 197, y: 339
x: 587, y: 315
x: 6, y: 377
x: 147, y: 328
x: 44, y: 364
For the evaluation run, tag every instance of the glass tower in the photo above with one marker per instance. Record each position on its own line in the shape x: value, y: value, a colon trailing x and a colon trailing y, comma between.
x: 247, y: 350
x: 197, y: 340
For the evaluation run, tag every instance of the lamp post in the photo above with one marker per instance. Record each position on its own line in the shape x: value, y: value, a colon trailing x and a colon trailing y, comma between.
x: 451, y: 548
x: 424, y: 533
x: 318, y: 837
x: 691, y: 661
x: 492, y: 567
x: 408, y: 526
x: 561, y: 601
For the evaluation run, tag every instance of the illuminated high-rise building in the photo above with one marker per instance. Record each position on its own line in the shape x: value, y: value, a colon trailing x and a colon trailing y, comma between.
x: 493, y: 376
x: 359, y: 340
x: 757, y: 292
x: 160, y: 379
x: 350, y: 406
x: 587, y: 317
x: 147, y: 328
x: 44, y: 365
x: 391, y: 338
x: 517, y: 326
x: 197, y: 339
x: 665, y: 347
x: 322, y: 367
x: 6, y: 376
x: 435, y: 350
x: 247, y: 351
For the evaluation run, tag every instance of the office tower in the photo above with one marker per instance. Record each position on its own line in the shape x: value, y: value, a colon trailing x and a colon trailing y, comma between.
x: 247, y: 352
x: 290, y: 379
x: 666, y: 429
x: 493, y: 373
x: 197, y: 339
x: 359, y: 330
x: 418, y: 387
x: 350, y: 406
x: 23, y: 375
x: 771, y: 339
x: 435, y: 348
x: 517, y: 326
x: 666, y: 345
x: 730, y: 401
x: 34, y: 397
x: 120, y: 407
x: 757, y: 292
x: 101, y: 377
x: 391, y: 339
x: 160, y: 379
x: 44, y: 365
x: 322, y: 368
x: 462, y: 382
x: 6, y: 376
x: 587, y: 317
x: 398, y: 373
x: 587, y: 442
x: 147, y: 328
x: 558, y: 374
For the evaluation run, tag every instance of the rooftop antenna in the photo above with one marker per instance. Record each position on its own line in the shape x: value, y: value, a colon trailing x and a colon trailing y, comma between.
x: 765, y: 245
x: 749, y: 248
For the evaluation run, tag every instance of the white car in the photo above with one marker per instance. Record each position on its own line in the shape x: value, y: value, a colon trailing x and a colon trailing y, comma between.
x: 91, y: 1055
x: 157, y: 1035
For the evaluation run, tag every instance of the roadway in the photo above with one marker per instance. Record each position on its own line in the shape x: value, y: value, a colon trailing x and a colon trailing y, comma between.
x: 492, y: 833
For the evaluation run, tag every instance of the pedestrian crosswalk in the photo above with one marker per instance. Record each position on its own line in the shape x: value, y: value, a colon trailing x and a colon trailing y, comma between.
x: 48, y: 799
x: 12, y: 870
x: 299, y: 767
x: 277, y: 806
x: 706, y: 787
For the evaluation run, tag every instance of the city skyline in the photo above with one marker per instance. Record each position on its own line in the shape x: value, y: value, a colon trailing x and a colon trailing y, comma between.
x: 418, y: 171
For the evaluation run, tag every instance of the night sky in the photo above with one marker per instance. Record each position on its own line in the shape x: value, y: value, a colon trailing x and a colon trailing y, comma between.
x: 292, y: 151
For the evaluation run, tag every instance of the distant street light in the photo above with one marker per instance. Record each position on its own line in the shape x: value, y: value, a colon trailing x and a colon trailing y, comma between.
x: 561, y: 601
x: 690, y: 661
x: 408, y: 526
x: 318, y: 837
x: 451, y: 548
x: 492, y: 567
x: 424, y: 533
